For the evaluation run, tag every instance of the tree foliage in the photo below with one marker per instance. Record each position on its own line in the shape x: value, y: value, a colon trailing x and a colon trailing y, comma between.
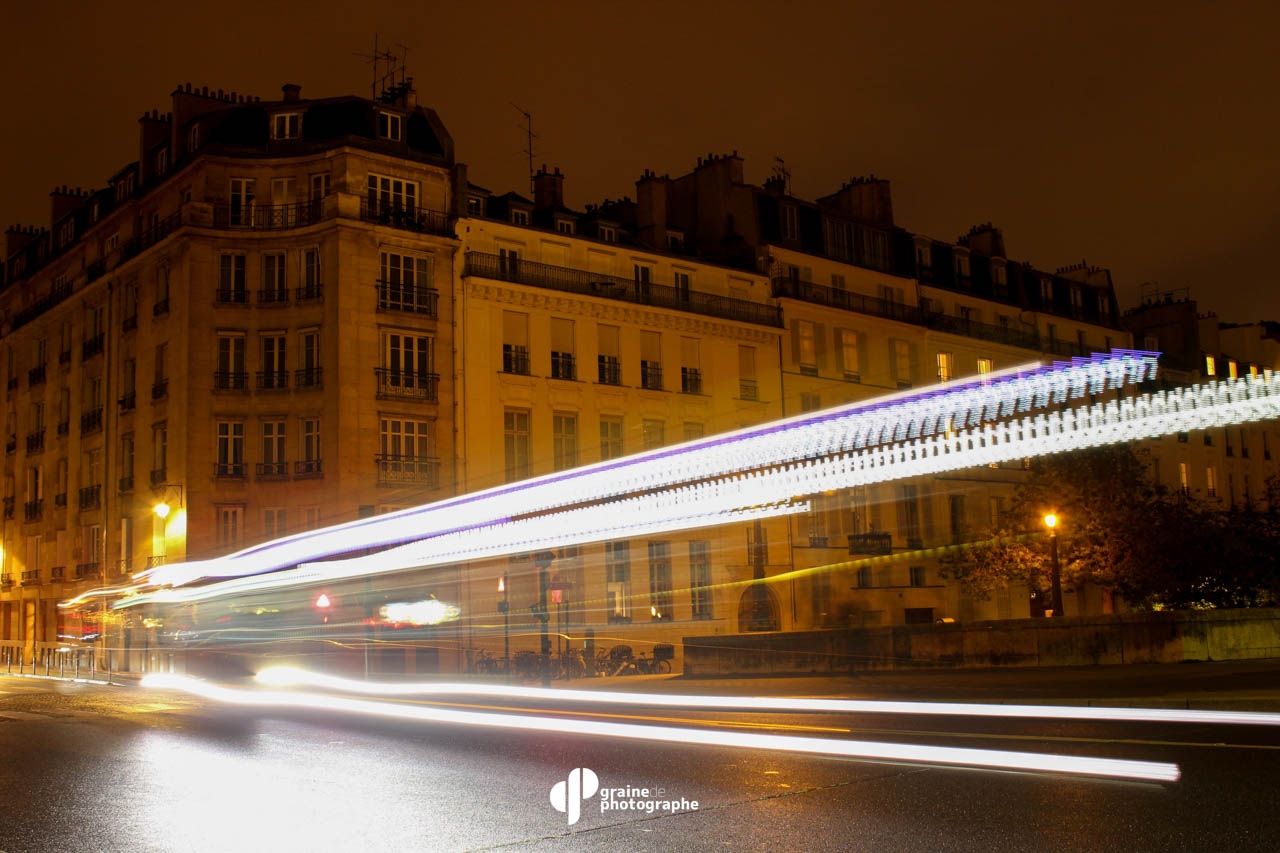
x: 1122, y: 532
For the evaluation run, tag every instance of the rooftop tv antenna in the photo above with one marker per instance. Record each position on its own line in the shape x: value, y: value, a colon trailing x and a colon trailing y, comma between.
x: 780, y: 170
x: 389, y: 83
x: 529, y: 137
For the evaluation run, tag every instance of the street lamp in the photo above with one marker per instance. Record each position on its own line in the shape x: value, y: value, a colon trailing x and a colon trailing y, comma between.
x: 504, y: 607
x: 1055, y: 574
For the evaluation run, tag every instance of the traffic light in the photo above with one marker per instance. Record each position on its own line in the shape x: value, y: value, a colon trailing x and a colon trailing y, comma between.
x: 323, y: 605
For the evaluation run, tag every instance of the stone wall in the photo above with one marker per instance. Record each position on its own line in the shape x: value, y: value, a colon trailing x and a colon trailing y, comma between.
x: 1166, y: 637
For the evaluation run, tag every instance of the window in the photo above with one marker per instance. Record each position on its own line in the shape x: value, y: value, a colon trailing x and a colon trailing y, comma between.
x: 232, y: 284
x: 405, y: 284
x: 406, y: 451
x: 230, y: 449
x: 810, y: 402
x: 389, y: 196
x: 864, y: 576
x: 162, y: 292
x: 286, y: 126
x: 654, y: 434
x: 508, y: 262
x: 1233, y: 370
x: 160, y: 383
x: 274, y: 374
x: 273, y: 464
x: 1184, y: 478
x: 515, y: 343
x: 610, y: 370
x: 310, y: 274
x: 128, y: 385
x: 159, y: 453
x: 610, y: 437
x: 690, y: 366
x: 519, y: 216
x: 230, y: 527
x: 700, y: 578
x: 847, y: 345
x: 129, y: 308
x: 984, y: 366
x: 900, y: 355
x: 562, y: 349
x: 193, y: 136
x: 1077, y: 301
x: 310, y: 517
x: 231, y: 374
x: 1211, y: 482
x: 389, y: 126
x: 946, y: 366
x: 516, y: 444
x: 1046, y: 291
x: 790, y: 223
x: 962, y: 265
x: 273, y: 285
x: 806, y: 347
x: 408, y: 367
x: 319, y: 185
x: 748, y: 389
x: 273, y: 523
x: 683, y: 285
x: 642, y: 274
x: 309, y: 353
x: 608, y: 234
x: 564, y: 431
x: 838, y: 282
x: 240, y: 210
x: 998, y: 277
x: 564, y: 226
x: 617, y: 566
x: 909, y: 515
x: 660, y: 581
x: 917, y: 575
x: 651, y: 360
x: 694, y: 430
x: 310, y: 463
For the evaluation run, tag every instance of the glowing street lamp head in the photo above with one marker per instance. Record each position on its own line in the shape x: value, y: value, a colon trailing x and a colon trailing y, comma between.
x: 162, y: 509
x: 1050, y: 520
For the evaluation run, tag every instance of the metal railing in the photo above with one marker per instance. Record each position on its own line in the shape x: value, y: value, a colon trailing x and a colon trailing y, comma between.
x: 268, y: 217
x: 409, y: 298
x: 35, y: 441
x: 308, y: 377
x: 91, y: 421
x: 515, y: 359
x: 160, y: 390
x: 563, y: 366
x: 690, y: 380
x: 408, y: 469
x: 90, y: 497
x: 610, y: 370
x: 272, y: 470
x: 624, y: 289
x: 273, y: 296
x: 272, y: 380
x: 229, y: 470
x: 407, y: 218
x: 651, y: 375
x: 309, y: 293
x: 230, y: 380
x: 33, y: 510
x: 36, y: 375
x: 307, y: 468
x: 407, y: 385
x: 748, y: 389
x: 92, y: 346
x: 231, y: 296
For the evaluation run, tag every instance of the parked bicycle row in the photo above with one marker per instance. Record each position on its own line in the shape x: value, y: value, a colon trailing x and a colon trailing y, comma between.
x: 620, y: 660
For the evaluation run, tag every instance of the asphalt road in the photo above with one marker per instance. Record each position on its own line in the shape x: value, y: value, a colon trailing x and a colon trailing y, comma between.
x: 117, y: 768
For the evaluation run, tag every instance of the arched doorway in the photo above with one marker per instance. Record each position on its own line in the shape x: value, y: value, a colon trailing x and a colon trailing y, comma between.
x: 758, y: 610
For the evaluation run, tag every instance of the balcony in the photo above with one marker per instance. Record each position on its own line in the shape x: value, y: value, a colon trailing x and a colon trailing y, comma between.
x: 231, y: 380
x: 8, y: 507
x: 406, y: 385
x: 35, y: 441
x: 92, y: 346
x: 407, y: 298
x: 307, y: 377
x: 6, y: 580
x: 31, y: 577
x: 272, y: 380
x: 60, y: 500
x: 88, y: 570
x: 161, y: 307
x: 515, y: 359
x: 309, y: 293
x: 33, y: 510
x: 623, y: 289
x: 90, y: 497
x: 690, y: 380
x: 307, y: 469
x: 64, y: 357
x: 272, y: 470
x: 229, y: 470
x: 1022, y: 335
x: 63, y: 428
x: 158, y: 476
x: 11, y: 444
x: 58, y: 573
x: 154, y: 561
x: 651, y: 375
x: 231, y: 296
x: 610, y: 371
x: 407, y: 218
x: 408, y: 469
x: 274, y: 296
x: 125, y: 485
x: 748, y: 389
x: 870, y: 543
x: 159, y: 390
x: 563, y: 366
x: 151, y: 236
x: 12, y: 384
x: 129, y: 402
x: 129, y: 324
x: 91, y: 421
x: 268, y: 217
x: 36, y: 376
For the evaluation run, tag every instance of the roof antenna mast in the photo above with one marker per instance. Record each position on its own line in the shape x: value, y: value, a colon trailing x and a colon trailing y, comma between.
x: 529, y: 137
x: 389, y: 82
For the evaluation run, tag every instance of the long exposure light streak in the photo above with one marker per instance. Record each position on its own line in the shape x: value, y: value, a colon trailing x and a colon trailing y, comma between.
x: 283, y: 676
x: 867, y: 750
x: 769, y: 490
x: 937, y: 410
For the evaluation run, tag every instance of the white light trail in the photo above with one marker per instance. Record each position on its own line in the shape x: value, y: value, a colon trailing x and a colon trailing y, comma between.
x: 283, y: 676
x: 869, y: 750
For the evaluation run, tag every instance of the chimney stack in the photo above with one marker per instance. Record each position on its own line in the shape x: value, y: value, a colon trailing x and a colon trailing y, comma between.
x: 548, y: 189
x: 292, y: 91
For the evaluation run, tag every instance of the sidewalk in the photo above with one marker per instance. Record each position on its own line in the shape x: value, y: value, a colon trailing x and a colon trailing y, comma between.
x: 1252, y: 685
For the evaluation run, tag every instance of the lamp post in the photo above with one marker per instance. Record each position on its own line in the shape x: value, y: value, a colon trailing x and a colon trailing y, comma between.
x: 1055, y: 574
x: 504, y: 607
x: 543, y: 560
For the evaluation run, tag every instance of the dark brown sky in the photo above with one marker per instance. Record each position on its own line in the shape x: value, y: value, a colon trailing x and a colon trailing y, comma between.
x: 1144, y: 139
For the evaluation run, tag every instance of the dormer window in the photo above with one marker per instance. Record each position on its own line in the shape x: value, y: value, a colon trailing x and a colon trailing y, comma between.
x: 66, y: 232
x: 124, y: 189
x: 162, y: 161
x: 389, y: 126
x: 675, y: 241
x: 475, y: 205
x: 1104, y: 306
x: 286, y: 126
x: 608, y: 234
x: 95, y: 210
x: 1077, y: 299
x: 519, y: 217
x: 962, y: 265
x: 998, y: 274
x: 564, y: 226
x: 193, y: 137
x: 924, y: 258
x: 1046, y: 291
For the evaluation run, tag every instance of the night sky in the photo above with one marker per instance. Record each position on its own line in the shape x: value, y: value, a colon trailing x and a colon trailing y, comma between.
x: 1143, y: 139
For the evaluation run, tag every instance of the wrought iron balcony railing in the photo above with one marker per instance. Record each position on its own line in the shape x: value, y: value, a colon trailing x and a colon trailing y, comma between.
x: 231, y: 380
x: 307, y: 377
x: 307, y: 468
x: 409, y: 298
x: 229, y: 470
x: 268, y: 217
x: 272, y: 470
x: 407, y: 218
x: 408, y: 469
x: 273, y: 380
x: 870, y: 543
x: 690, y: 380
x: 90, y: 497
x: 406, y: 385
x: 610, y: 371
x: 563, y: 366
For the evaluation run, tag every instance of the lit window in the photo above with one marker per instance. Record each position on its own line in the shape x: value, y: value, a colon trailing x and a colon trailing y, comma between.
x: 1211, y: 482
x: 1184, y: 478
x: 1210, y: 366
x: 984, y: 366
x: 946, y: 366
x: 1232, y: 369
